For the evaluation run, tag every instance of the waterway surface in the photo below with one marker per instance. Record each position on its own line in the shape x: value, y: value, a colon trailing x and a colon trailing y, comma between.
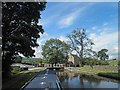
x: 75, y: 80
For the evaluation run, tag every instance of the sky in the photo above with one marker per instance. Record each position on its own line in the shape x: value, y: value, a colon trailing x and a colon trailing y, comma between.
x: 100, y: 19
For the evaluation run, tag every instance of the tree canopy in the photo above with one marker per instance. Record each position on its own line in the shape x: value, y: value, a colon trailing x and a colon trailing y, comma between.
x: 102, y: 54
x: 80, y: 43
x: 20, y: 30
x: 55, y: 51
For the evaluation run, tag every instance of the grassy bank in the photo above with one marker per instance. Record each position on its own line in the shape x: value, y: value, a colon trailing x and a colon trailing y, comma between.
x: 110, y: 75
x: 101, y: 70
x: 19, y: 79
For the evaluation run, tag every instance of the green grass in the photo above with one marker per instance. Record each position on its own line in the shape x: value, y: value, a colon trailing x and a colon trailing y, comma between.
x: 113, y: 62
x: 109, y: 71
x: 110, y: 75
x: 19, y: 79
x: 97, y: 69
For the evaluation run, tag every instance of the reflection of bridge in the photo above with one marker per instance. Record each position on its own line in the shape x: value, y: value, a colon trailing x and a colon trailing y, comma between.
x: 55, y: 68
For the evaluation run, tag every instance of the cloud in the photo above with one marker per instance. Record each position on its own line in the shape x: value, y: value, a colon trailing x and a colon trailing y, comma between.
x: 38, y: 52
x: 76, y: 12
x: 105, y: 24
x: 94, y: 28
x: 70, y: 18
x: 106, y: 40
x: 48, y: 16
x: 46, y: 21
x: 62, y: 38
x: 67, y: 21
x: 41, y: 41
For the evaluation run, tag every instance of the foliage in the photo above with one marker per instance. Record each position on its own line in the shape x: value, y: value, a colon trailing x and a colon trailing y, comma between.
x: 55, y: 51
x: 80, y: 43
x: 37, y: 61
x: 20, y: 30
x: 102, y: 54
x: 44, y: 60
x: 18, y: 59
x: 31, y: 61
x: 92, y: 62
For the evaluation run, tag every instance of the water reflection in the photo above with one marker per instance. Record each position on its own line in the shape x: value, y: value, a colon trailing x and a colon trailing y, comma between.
x: 75, y: 80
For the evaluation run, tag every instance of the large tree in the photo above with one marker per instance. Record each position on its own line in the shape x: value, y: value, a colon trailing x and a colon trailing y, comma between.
x: 80, y: 43
x: 55, y: 51
x: 102, y: 54
x: 20, y: 30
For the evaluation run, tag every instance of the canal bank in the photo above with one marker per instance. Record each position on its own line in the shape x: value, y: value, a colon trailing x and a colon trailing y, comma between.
x: 102, y: 71
x: 71, y: 80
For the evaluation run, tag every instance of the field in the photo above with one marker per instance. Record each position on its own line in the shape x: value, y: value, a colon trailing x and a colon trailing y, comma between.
x: 113, y: 62
x: 110, y: 71
x: 97, y: 69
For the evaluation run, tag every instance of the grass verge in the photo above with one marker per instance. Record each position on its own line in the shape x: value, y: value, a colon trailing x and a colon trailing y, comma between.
x: 17, y: 81
x: 103, y: 70
x: 110, y: 75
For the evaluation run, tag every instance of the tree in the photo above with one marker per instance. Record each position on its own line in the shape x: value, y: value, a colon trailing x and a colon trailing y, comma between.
x: 18, y: 59
x: 20, y: 30
x: 80, y: 43
x: 102, y: 54
x: 55, y: 51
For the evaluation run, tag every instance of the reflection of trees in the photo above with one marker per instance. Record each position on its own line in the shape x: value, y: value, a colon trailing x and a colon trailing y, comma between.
x: 91, y: 79
x: 81, y: 82
x: 63, y: 75
x: 65, y: 78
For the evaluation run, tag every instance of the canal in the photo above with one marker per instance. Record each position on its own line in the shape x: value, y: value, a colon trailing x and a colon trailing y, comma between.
x: 75, y: 80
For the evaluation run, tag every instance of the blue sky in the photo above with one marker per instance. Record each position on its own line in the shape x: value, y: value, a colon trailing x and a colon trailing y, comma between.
x: 99, y: 19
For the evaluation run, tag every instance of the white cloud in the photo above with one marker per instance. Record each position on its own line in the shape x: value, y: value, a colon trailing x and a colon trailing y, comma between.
x: 41, y: 41
x: 67, y: 21
x: 94, y: 28
x: 46, y: 21
x: 105, y: 24
x: 38, y: 52
x: 106, y: 40
x: 70, y: 18
x: 62, y: 38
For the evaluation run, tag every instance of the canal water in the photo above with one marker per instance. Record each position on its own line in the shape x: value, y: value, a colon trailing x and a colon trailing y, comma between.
x: 75, y: 80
